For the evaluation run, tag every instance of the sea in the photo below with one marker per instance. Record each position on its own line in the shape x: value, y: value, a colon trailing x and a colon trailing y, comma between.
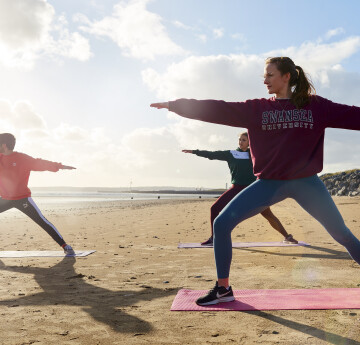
x: 49, y: 199
x: 71, y: 196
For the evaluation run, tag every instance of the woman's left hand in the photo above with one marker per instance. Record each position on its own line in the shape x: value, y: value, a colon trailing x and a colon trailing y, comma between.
x: 67, y: 167
x: 162, y: 105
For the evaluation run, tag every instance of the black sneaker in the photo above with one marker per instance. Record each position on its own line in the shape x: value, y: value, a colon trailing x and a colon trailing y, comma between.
x: 208, y: 242
x: 217, y: 294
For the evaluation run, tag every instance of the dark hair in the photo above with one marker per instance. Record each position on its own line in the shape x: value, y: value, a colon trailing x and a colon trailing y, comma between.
x: 299, y: 81
x: 8, y: 139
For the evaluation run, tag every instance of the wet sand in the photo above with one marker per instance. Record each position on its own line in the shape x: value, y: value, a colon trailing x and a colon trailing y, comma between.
x: 122, y: 294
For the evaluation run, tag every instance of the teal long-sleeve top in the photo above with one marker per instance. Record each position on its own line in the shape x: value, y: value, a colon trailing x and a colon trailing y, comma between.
x: 239, y: 163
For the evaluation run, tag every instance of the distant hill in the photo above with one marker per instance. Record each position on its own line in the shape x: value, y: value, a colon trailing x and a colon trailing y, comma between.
x: 346, y: 183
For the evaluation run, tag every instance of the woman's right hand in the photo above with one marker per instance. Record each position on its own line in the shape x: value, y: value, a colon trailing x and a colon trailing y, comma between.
x: 187, y: 151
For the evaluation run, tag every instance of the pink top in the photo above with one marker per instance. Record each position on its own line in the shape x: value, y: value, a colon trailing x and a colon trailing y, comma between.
x: 285, y: 142
x: 15, y: 171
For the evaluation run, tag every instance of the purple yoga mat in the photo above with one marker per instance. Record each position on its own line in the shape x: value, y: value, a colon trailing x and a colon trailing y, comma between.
x: 340, y: 298
x: 245, y: 244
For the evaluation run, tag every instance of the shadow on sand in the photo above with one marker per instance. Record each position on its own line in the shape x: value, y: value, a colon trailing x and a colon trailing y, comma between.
x: 328, y: 337
x: 329, y: 253
x: 61, y: 285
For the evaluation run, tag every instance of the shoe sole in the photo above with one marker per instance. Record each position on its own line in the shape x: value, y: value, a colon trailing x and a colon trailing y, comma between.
x: 219, y: 300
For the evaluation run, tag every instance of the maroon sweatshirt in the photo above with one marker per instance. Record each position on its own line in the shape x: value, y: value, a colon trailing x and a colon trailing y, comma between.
x: 285, y: 142
x: 15, y: 171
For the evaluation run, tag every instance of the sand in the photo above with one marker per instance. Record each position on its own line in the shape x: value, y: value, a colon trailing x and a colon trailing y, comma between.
x: 122, y: 294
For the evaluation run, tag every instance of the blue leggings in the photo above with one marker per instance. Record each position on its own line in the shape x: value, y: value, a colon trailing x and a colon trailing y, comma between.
x: 309, y: 192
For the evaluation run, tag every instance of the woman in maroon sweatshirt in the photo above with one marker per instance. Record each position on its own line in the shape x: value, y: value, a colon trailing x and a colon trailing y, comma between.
x: 15, y: 168
x: 286, y: 134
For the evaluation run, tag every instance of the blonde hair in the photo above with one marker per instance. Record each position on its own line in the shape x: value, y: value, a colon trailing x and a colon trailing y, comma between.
x: 244, y: 133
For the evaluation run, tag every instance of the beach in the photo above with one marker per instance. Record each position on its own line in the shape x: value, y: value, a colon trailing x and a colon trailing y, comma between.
x: 122, y: 293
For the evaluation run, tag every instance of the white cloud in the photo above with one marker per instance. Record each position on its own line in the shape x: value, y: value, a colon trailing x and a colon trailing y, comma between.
x: 35, y: 134
x: 181, y: 25
x: 152, y: 156
x: 146, y: 156
x: 201, y: 37
x: 342, y: 150
x: 239, y: 36
x: 20, y: 116
x: 228, y: 77
x: 28, y: 30
x: 65, y: 132
x: 69, y: 44
x: 342, y: 86
x: 334, y: 32
x: 319, y: 58
x: 150, y: 141
x: 216, y: 139
x: 24, y: 22
x: 218, y: 32
x: 199, y: 135
x: 239, y: 77
x: 156, y: 153
x: 138, y: 32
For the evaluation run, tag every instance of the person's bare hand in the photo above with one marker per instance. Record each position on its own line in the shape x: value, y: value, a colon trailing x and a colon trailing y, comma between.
x: 161, y: 105
x: 67, y: 167
x: 187, y: 151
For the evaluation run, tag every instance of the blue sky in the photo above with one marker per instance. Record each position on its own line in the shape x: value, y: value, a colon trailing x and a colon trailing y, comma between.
x: 78, y: 78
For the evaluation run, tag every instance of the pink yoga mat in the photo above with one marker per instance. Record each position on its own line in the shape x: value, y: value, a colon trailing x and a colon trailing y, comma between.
x: 245, y: 244
x: 273, y: 300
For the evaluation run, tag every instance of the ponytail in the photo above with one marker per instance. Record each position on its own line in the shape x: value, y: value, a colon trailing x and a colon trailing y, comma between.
x: 302, y: 87
x: 302, y: 90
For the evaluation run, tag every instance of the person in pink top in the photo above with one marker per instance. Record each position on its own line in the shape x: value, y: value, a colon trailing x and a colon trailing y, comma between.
x: 286, y: 135
x: 15, y: 168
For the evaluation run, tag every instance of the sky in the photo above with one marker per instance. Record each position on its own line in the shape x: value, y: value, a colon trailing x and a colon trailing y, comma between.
x: 77, y: 79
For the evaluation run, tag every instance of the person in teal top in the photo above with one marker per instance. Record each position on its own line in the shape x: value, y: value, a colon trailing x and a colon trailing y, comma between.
x: 241, y: 169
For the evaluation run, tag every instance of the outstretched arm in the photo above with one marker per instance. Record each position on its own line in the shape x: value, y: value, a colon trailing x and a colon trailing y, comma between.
x: 217, y: 155
x: 342, y: 116
x: 236, y: 114
x: 37, y: 164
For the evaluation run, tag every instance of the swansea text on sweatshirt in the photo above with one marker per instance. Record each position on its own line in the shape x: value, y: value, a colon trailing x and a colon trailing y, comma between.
x: 285, y: 142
